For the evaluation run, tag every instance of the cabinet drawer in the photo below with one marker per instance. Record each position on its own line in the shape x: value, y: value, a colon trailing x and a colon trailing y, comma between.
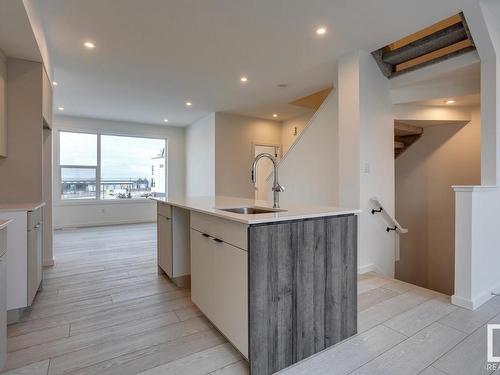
x: 34, y: 218
x: 229, y: 231
x: 164, y: 209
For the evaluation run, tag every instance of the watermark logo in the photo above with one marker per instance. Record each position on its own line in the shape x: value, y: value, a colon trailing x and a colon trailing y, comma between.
x: 493, y: 357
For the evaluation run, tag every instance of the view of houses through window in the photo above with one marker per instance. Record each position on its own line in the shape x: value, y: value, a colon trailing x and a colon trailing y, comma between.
x: 118, y: 167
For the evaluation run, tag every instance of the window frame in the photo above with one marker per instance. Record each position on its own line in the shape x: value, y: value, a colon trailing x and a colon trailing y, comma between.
x: 98, y: 199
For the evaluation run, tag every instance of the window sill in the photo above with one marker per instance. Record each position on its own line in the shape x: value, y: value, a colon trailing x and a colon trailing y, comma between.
x: 94, y: 202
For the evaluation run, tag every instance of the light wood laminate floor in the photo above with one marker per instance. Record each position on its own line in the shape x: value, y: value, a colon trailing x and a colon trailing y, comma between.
x: 105, y: 310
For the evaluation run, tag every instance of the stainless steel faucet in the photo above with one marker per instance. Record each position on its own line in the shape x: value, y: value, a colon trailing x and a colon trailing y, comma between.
x: 277, y: 188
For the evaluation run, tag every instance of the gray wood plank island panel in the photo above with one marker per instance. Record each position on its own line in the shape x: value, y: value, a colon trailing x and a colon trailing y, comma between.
x: 302, y: 289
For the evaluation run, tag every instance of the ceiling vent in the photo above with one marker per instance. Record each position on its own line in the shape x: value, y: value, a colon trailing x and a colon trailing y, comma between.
x: 441, y: 41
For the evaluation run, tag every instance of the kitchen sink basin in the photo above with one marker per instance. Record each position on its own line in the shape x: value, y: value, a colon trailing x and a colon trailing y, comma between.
x: 252, y: 210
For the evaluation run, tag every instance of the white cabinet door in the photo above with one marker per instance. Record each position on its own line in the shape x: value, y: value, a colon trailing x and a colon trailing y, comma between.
x: 230, y: 293
x: 202, y: 259
x: 3, y: 311
x: 165, y: 244
x: 34, y: 261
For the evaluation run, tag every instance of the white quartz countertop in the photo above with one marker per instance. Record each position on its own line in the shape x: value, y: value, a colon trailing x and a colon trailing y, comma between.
x: 213, y: 205
x: 4, y: 223
x: 30, y: 206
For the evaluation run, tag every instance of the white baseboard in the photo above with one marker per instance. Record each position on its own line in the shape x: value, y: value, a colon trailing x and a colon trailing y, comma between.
x: 472, y: 304
x: 462, y: 302
x: 369, y: 268
x: 102, y: 224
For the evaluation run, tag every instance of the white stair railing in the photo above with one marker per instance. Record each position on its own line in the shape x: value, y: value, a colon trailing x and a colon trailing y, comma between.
x: 393, y: 223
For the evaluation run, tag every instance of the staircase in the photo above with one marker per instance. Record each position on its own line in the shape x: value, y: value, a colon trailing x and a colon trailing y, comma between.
x: 443, y: 40
x: 404, y: 136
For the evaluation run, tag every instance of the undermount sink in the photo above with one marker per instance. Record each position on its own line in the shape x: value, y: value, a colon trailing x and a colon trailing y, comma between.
x: 251, y: 210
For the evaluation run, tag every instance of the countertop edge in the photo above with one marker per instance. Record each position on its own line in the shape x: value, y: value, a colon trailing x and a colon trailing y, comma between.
x: 260, y: 220
x: 4, y: 223
x: 19, y: 207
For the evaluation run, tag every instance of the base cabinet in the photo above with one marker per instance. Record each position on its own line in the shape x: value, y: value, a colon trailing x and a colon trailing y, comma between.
x: 165, y: 244
x: 230, y: 297
x: 219, y: 285
x: 202, y: 268
x: 35, y: 245
x: 24, y: 259
x: 3, y: 297
x: 173, y: 243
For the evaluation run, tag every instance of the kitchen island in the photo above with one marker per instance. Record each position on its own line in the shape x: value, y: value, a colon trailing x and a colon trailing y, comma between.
x: 281, y: 285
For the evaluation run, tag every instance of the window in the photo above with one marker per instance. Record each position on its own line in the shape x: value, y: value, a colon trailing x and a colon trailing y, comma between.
x: 95, y: 166
x: 128, y: 167
x: 78, y: 165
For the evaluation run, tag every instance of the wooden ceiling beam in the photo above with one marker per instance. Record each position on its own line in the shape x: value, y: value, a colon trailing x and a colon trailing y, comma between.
x: 434, y: 55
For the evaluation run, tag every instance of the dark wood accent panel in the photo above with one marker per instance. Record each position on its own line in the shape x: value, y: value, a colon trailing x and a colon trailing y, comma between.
x: 302, y: 289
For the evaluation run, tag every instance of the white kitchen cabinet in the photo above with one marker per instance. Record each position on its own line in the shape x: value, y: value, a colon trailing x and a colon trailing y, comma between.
x: 230, y: 293
x: 202, y: 272
x: 164, y: 225
x: 24, y: 256
x: 219, y: 276
x: 34, y: 248
x: 173, y: 243
x: 3, y: 293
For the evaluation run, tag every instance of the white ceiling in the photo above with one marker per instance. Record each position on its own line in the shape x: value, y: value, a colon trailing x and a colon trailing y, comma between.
x: 16, y: 36
x: 153, y: 55
x: 460, y: 101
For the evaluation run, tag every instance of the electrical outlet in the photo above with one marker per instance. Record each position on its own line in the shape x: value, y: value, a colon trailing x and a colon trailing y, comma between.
x: 366, y: 167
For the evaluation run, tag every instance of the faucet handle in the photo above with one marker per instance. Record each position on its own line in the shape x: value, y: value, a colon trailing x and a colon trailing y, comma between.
x: 278, y: 188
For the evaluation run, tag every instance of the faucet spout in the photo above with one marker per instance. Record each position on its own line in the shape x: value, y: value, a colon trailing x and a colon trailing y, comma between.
x: 277, y: 188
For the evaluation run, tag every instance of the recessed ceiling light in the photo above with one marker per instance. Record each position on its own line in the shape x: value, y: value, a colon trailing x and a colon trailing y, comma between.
x: 60, y: 108
x: 275, y: 115
x: 89, y: 45
x: 54, y: 83
x: 244, y: 79
x: 451, y: 101
x: 165, y: 120
x: 189, y: 104
x: 321, y: 30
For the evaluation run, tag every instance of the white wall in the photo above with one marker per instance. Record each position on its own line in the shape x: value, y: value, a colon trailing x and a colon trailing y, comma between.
x: 376, y: 245
x: 445, y: 155
x: 478, y: 207
x: 200, y: 157
x: 288, y: 136
x: 309, y: 171
x: 476, y: 251
x: 366, y: 156
x: 48, y: 223
x: 73, y: 214
x: 349, y: 131
x: 234, y: 139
